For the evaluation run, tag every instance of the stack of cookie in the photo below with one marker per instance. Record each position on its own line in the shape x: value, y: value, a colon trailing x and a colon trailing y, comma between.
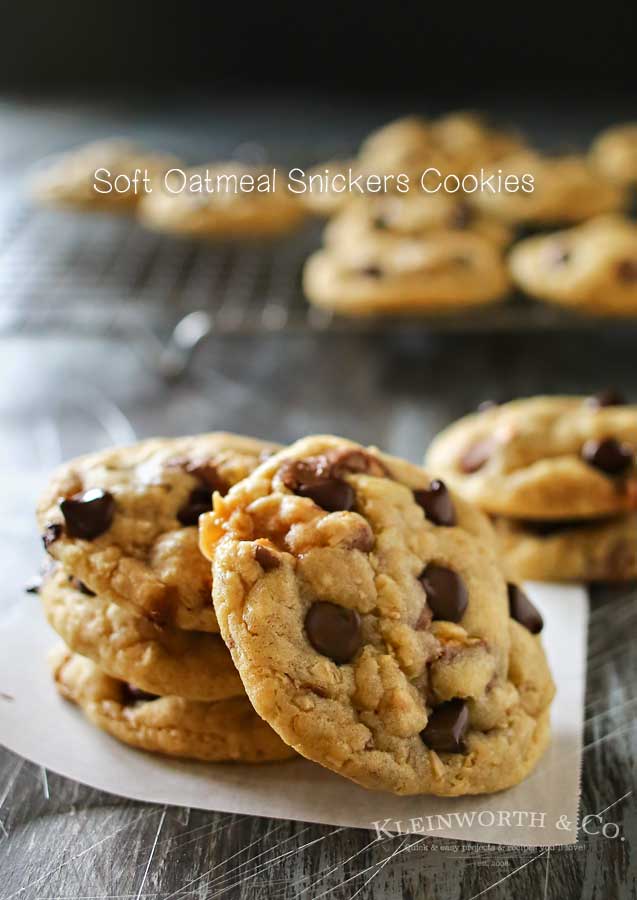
x: 129, y: 593
x: 559, y: 477
x: 362, y: 605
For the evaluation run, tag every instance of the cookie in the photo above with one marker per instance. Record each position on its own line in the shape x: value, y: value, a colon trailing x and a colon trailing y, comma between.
x: 368, y: 617
x: 442, y: 271
x: 375, y: 221
x: 228, y: 730
x: 225, y: 210
x: 70, y: 179
x: 590, y: 268
x: 580, y: 550
x: 124, y: 521
x: 332, y: 179
x: 614, y: 153
x: 155, y: 658
x: 564, y: 190
x: 471, y: 141
x: 543, y: 458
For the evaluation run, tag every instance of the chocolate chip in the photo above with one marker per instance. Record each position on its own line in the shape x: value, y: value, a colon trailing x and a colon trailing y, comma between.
x: 312, y: 478
x: 89, y: 514
x: 333, y: 630
x: 199, y: 502
x: 462, y: 216
x: 355, y: 462
x: 477, y: 455
x: 548, y: 527
x: 608, y: 455
x: 266, y: 558
x: 522, y: 610
x: 33, y: 585
x: 446, y: 592
x: 380, y: 223
x: 132, y: 694
x: 437, y: 503
x: 447, y: 727
x: 372, y: 272
x: 363, y: 539
x: 206, y: 472
x: 51, y: 534
x: 78, y: 585
x: 609, y: 397
x: 627, y: 270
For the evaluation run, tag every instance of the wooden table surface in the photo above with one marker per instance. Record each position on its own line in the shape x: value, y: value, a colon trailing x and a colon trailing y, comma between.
x: 65, y: 390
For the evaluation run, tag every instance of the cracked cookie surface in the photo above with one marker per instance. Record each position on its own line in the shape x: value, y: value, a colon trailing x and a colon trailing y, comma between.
x: 156, y: 658
x: 124, y: 521
x: 367, y: 615
x: 551, y: 457
x: 228, y: 730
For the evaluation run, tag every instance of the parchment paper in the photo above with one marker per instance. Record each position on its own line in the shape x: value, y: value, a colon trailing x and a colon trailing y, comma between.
x: 39, y: 725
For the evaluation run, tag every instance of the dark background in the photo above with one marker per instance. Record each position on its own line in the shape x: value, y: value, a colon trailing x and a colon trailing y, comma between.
x: 442, y: 50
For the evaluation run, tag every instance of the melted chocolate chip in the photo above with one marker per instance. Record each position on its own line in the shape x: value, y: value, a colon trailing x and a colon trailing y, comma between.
x: 312, y: 478
x: 207, y: 473
x: 477, y: 456
x: 372, y: 272
x: 548, y: 527
x: 380, y: 223
x: 333, y: 631
x: 199, y: 502
x: 132, y: 694
x: 355, y: 462
x: 437, y: 503
x: 266, y: 558
x: 609, y: 397
x: 608, y: 455
x: 627, y: 270
x: 51, y: 534
x: 80, y: 586
x: 522, y: 610
x: 446, y: 592
x: 89, y: 514
x: 447, y: 727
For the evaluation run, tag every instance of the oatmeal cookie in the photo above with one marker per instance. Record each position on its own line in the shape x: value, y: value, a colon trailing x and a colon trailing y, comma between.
x: 614, y: 153
x: 69, y: 180
x: 368, y: 617
x: 442, y: 271
x: 543, y: 458
x: 579, y: 550
x: 124, y: 521
x: 228, y: 730
x: 565, y: 190
x: 155, y: 658
x: 590, y: 268
x: 224, y: 211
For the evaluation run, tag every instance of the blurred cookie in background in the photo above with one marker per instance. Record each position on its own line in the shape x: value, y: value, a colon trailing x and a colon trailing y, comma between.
x: 529, y: 189
x: 110, y: 175
x: 614, y: 153
x: 590, y: 268
x: 226, y: 199
x: 442, y: 271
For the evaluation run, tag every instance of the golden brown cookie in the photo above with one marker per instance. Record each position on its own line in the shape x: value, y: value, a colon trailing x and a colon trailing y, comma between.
x: 543, y: 458
x: 563, y: 190
x: 368, y: 617
x: 81, y: 178
x: 156, y: 658
x: 222, y: 200
x: 614, y: 153
x: 580, y: 550
x: 228, y: 730
x: 389, y: 273
x: 124, y: 521
x: 591, y: 268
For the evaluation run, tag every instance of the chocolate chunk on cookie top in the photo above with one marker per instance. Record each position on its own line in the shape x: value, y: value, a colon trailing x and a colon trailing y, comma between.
x: 378, y: 643
x: 543, y: 457
x: 123, y: 521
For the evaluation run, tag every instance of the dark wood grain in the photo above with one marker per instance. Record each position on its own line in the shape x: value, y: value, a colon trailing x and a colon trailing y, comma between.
x: 64, y: 392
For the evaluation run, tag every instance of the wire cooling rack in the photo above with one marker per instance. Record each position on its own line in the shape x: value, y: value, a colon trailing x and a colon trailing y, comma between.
x: 99, y: 274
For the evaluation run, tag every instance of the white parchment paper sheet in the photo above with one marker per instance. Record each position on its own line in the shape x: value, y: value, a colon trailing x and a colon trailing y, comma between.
x: 36, y: 723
